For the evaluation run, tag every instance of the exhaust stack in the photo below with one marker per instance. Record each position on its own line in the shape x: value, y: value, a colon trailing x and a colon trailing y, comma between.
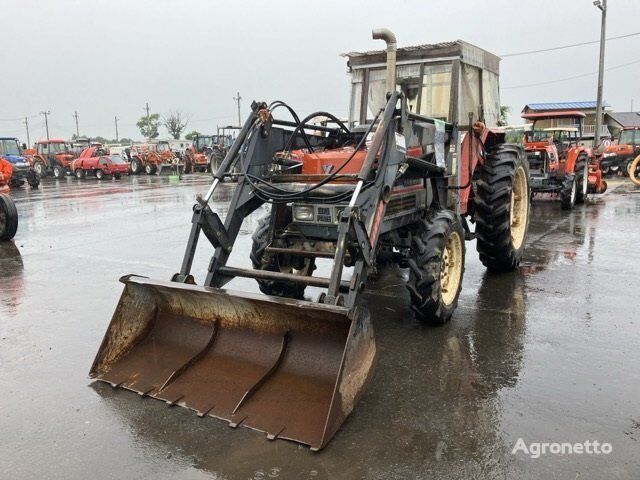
x: 390, y: 38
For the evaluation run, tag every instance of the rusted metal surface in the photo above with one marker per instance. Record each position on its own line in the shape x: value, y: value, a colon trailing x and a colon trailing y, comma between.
x: 290, y: 368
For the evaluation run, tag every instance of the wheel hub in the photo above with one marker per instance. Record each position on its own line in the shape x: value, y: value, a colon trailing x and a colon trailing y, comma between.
x: 451, y: 268
x: 519, y: 207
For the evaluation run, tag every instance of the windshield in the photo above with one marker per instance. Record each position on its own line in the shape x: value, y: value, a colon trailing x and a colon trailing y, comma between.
x: 117, y: 159
x: 555, y: 135
x: 9, y: 147
x: 204, y: 141
x: 162, y: 147
x: 629, y: 137
x: 58, y: 147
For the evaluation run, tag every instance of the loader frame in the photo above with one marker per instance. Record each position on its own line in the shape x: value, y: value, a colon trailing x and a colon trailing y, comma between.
x: 371, y: 194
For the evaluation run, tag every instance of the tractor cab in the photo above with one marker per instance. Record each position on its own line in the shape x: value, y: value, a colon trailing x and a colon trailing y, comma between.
x: 162, y: 146
x: 202, y: 142
x: 445, y: 81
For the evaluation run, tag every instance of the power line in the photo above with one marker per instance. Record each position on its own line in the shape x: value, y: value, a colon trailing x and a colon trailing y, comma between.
x: 529, y: 52
x: 615, y: 67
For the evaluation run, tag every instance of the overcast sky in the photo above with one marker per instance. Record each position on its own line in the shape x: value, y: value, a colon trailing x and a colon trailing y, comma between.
x: 108, y: 57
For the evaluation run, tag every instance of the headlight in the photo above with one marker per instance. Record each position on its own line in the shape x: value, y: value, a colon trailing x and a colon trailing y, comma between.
x: 607, y: 155
x: 303, y: 213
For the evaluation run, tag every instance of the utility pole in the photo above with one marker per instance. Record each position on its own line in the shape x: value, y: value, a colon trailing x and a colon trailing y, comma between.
x: 602, y: 5
x: 147, y: 109
x: 75, y: 114
x: 26, y: 124
x: 237, y: 99
x: 46, y: 121
x: 116, y: 120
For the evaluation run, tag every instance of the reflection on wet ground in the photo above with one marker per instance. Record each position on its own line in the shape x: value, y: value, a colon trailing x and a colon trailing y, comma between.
x: 548, y: 353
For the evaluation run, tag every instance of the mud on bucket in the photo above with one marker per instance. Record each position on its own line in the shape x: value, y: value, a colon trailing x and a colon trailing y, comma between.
x: 290, y: 368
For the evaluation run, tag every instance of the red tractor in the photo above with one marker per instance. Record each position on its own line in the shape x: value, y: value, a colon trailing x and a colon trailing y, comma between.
x: 153, y: 158
x: 95, y: 161
x: 618, y: 156
x: 558, y: 162
x: 52, y: 156
x: 196, y: 157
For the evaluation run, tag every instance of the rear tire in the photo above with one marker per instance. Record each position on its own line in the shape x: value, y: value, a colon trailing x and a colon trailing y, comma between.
x: 582, y: 178
x: 8, y: 218
x: 134, y: 166
x: 436, y: 267
x: 262, y: 260
x: 502, y: 205
x: 569, y: 192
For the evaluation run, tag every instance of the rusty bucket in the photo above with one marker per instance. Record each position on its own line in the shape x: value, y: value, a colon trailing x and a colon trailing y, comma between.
x: 292, y: 369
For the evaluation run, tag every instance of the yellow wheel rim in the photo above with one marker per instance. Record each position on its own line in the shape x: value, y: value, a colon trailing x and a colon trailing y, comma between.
x: 451, y: 269
x: 632, y: 171
x: 519, y: 207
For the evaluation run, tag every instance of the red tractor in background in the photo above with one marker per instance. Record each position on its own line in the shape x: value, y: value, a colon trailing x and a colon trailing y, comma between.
x: 196, y: 157
x: 618, y: 156
x: 558, y: 161
x: 153, y: 158
x: 95, y: 161
x: 52, y: 156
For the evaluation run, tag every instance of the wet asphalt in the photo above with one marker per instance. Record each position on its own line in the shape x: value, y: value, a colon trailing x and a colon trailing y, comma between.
x: 549, y: 353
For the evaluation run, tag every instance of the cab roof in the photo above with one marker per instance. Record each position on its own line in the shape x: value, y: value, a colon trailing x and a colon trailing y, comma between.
x: 560, y: 114
x: 560, y: 129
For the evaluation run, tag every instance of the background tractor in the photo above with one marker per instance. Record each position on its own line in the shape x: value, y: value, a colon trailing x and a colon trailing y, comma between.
x: 152, y: 158
x: 220, y: 146
x: 52, y: 157
x: 618, y: 156
x: 558, y: 161
x: 196, y: 157
x: 399, y: 181
x: 21, y: 170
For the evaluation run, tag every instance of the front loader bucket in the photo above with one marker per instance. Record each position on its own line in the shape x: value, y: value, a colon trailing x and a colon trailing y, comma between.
x: 290, y: 368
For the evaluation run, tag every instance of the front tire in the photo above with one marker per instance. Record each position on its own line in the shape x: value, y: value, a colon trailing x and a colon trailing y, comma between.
x: 58, y: 172
x: 262, y: 260
x: 582, y: 178
x: 569, y: 192
x: 79, y: 173
x: 502, y: 205
x: 149, y: 169
x: 99, y: 174
x: 436, y: 267
x: 40, y: 169
x: 8, y: 218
